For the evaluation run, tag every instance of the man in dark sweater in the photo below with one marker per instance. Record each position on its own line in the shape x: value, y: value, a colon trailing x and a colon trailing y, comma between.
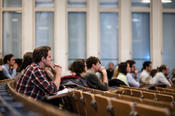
x: 96, y: 75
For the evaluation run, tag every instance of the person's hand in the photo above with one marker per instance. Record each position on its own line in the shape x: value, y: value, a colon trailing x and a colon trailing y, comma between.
x: 102, y: 69
x: 57, y: 69
x: 136, y: 72
x: 15, y: 66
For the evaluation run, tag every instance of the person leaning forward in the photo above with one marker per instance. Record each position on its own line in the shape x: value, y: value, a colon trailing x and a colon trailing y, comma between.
x: 34, y: 82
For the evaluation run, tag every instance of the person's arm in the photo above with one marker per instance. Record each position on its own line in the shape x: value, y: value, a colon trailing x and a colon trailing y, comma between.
x: 6, y: 72
x: 57, y: 78
x: 132, y: 81
x: 104, y: 74
x: 94, y: 82
x: 163, y: 80
x: 15, y: 66
x: 40, y: 80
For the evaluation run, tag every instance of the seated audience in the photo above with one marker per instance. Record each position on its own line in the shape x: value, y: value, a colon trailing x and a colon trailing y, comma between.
x: 160, y: 77
x: 96, y: 74
x: 34, y: 82
x: 78, y: 67
x: 132, y: 75
x: 9, y: 67
x: 145, y: 76
x: 123, y: 70
x: 110, y: 70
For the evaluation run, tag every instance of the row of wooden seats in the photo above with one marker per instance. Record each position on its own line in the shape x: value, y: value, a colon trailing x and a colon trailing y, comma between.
x: 148, y: 95
x: 166, y: 91
x: 95, y: 104
x: 42, y: 108
x: 149, y: 98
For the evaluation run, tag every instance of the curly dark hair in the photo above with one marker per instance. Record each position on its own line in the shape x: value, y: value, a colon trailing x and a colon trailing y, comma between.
x: 78, y: 66
x: 92, y: 60
x: 40, y: 52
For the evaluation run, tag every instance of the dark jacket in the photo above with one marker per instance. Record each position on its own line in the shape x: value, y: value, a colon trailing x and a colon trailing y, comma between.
x: 72, y: 81
x: 94, y: 82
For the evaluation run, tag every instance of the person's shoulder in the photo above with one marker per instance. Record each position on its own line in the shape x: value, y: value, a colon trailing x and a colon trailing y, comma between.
x: 4, y: 66
x: 33, y: 68
x: 160, y: 74
x: 90, y: 74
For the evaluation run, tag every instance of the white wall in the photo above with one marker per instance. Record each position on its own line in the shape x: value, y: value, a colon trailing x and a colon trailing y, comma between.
x: 61, y: 41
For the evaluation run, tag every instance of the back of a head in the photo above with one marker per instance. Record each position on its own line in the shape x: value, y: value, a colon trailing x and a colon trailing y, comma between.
x: 27, y: 60
x: 122, y: 68
x: 78, y: 66
x: 146, y: 64
x: 92, y: 60
x: 7, y: 58
x: 162, y: 67
x: 40, y: 52
x: 18, y: 61
x: 130, y: 62
x: 153, y: 72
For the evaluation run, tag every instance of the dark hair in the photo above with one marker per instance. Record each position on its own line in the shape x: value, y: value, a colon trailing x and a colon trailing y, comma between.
x: 122, y: 68
x: 92, y: 60
x: 27, y: 60
x: 78, y: 66
x: 162, y: 67
x: 146, y: 64
x: 130, y: 62
x: 1, y: 61
x: 153, y: 72
x: 7, y: 58
x: 40, y: 52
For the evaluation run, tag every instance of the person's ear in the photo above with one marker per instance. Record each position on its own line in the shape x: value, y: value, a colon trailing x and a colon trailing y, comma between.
x: 43, y: 59
x: 8, y: 61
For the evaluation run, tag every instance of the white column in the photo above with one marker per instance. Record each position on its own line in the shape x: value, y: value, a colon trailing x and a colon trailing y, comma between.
x: 60, y: 42
x: 27, y: 27
x: 156, y: 33
x: 92, y: 29
x: 125, y: 33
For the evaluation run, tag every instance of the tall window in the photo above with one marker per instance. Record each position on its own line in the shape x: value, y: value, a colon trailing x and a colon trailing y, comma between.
x: 44, y: 24
x: 12, y: 27
x: 168, y: 34
x: 140, y: 32
x: 108, y: 32
x: 76, y: 30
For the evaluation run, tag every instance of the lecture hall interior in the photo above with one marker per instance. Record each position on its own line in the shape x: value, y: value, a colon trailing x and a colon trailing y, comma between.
x: 87, y: 58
